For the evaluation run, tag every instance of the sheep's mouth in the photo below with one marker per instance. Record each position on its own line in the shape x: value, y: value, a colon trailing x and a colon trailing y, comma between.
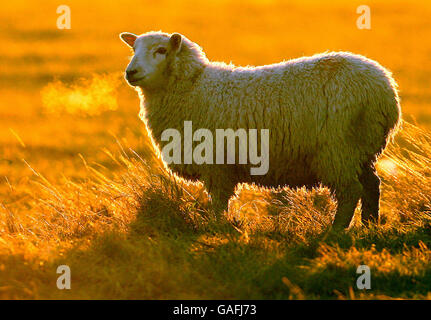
x: 134, y: 81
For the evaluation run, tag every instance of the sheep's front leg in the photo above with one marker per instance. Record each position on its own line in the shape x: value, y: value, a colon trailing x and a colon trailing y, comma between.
x: 220, y: 195
x: 220, y: 201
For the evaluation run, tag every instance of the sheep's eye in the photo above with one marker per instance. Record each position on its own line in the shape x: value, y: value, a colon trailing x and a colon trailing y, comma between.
x: 161, y: 50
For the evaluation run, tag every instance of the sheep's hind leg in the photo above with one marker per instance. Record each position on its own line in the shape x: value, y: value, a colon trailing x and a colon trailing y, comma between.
x: 371, y: 194
x: 347, y: 199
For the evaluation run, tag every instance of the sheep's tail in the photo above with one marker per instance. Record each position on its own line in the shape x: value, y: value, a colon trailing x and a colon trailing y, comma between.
x: 391, y: 115
x: 394, y: 115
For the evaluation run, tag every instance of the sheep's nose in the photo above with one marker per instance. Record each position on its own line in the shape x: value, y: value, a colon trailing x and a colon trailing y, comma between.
x: 130, y: 73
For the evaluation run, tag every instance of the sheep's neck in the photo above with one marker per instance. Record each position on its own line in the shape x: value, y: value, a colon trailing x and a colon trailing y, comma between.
x: 165, y: 109
x: 169, y: 106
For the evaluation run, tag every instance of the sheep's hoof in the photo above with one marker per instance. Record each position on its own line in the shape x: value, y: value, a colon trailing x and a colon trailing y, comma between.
x: 332, y: 231
x: 219, y: 215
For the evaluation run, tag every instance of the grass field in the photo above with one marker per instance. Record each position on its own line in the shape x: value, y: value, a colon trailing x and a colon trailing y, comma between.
x: 80, y: 185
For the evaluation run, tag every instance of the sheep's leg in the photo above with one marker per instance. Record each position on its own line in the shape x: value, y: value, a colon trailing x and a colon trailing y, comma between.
x: 371, y: 194
x: 347, y: 198
x: 220, y: 191
x: 220, y: 202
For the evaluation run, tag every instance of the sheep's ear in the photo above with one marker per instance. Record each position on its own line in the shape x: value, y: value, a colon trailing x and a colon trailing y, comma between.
x: 175, y: 42
x: 128, y: 38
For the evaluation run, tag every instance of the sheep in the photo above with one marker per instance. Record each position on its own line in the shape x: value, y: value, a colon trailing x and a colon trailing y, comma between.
x: 330, y: 116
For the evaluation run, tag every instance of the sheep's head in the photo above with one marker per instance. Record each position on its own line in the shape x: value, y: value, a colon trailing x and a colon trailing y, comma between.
x: 153, y: 55
x: 158, y: 55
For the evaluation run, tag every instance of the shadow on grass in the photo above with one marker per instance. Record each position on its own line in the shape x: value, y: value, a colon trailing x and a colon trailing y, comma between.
x: 168, y: 254
x: 174, y: 249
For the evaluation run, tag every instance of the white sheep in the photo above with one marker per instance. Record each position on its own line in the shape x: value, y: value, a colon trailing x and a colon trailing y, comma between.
x: 330, y: 116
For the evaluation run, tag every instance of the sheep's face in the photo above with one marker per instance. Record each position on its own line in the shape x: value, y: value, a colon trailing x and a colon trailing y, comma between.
x: 152, y: 55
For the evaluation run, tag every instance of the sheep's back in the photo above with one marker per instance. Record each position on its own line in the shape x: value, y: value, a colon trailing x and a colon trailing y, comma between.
x: 310, y: 105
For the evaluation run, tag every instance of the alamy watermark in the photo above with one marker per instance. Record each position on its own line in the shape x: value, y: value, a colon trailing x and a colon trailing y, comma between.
x: 364, y: 280
x: 64, y: 19
x: 364, y: 20
x: 64, y: 280
x: 203, y: 153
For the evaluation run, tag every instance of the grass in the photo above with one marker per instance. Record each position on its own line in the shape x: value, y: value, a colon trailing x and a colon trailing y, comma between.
x: 80, y: 183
